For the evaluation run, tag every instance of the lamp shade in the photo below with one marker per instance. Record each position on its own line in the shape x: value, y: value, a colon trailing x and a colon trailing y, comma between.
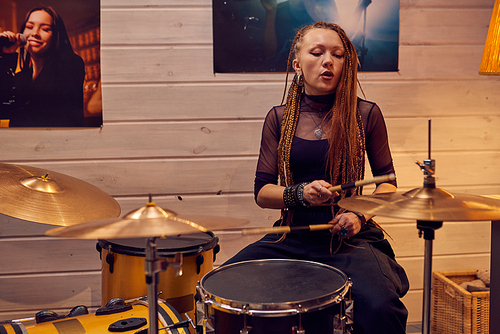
x: 490, y: 63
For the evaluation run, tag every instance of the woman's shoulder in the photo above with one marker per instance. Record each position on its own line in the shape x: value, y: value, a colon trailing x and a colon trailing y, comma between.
x: 70, y: 57
x: 368, y: 109
x: 366, y: 106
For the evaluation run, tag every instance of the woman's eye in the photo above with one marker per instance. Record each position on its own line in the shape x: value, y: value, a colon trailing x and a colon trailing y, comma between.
x: 316, y: 54
x: 338, y: 56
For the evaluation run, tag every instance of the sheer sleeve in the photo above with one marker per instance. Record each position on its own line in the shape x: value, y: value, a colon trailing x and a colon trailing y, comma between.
x: 376, y: 139
x: 267, y: 165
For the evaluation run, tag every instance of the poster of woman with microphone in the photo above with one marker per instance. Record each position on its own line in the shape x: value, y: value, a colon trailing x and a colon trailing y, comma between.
x: 49, y: 66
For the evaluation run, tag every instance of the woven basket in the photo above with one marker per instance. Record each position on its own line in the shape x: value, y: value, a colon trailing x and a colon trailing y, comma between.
x: 456, y: 310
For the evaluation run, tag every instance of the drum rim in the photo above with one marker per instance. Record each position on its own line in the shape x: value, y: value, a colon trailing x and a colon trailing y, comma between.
x: 111, y: 246
x: 273, y: 309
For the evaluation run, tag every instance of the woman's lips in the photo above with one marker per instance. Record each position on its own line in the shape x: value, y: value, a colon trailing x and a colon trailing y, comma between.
x: 327, y: 75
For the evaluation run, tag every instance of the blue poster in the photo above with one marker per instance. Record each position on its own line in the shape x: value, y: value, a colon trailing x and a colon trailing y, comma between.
x: 256, y: 35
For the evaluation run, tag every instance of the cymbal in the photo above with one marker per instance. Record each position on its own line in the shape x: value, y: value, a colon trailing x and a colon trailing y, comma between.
x: 426, y: 204
x: 146, y: 222
x: 48, y: 197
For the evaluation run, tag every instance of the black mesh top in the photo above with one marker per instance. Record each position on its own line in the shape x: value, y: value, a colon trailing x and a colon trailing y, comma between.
x: 308, y: 155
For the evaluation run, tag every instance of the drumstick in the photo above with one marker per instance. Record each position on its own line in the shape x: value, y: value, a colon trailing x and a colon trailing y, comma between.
x: 376, y: 179
x: 285, y: 229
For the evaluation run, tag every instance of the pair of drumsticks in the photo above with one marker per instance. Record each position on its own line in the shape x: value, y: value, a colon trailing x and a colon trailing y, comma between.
x: 318, y: 227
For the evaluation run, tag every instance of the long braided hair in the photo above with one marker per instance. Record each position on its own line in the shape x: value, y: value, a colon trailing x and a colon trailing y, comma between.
x: 345, y: 161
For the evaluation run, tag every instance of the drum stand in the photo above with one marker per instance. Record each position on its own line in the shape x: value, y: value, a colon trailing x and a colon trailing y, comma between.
x: 153, y: 267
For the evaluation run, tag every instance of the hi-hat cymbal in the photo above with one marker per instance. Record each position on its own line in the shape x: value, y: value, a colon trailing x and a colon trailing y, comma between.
x: 426, y: 204
x: 146, y: 222
x: 48, y: 197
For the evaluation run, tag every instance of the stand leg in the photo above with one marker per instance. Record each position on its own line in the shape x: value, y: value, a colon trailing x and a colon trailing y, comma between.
x: 426, y: 314
x: 428, y: 228
x: 152, y: 281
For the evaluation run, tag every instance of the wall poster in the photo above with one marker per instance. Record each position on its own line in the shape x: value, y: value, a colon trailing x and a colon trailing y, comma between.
x: 256, y: 35
x: 50, y: 63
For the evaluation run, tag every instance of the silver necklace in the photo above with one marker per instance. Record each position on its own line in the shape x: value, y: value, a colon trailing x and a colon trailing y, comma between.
x: 318, y: 132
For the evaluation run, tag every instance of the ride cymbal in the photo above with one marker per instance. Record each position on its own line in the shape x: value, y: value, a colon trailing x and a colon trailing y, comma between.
x: 146, y: 222
x: 48, y: 197
x: 426, y: 204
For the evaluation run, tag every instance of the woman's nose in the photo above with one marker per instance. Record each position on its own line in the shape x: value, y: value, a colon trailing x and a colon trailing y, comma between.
x: 35, y: 31
x: 328, y: 61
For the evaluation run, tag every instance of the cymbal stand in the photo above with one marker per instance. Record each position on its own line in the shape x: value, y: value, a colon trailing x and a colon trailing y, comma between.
x: 153, y: 267
x: 427, y: 228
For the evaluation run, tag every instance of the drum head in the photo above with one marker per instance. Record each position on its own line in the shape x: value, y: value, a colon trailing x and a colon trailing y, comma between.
x: 274, y: 285
x: 187, y: 244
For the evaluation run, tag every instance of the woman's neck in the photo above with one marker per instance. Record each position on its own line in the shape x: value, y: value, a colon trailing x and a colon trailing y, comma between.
x: 37, y: 65
x: 318, y: 103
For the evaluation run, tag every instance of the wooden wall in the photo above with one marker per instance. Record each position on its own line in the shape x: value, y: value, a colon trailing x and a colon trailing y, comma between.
x: 175, y: 129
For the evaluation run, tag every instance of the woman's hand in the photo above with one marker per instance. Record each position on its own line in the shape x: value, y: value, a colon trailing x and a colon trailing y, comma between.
x: 14, y: 38
x: 346, y: 225
x: 316, y: 193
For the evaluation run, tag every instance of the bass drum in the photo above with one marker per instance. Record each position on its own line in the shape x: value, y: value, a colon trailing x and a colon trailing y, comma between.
x: 274, y: 297
x: 128, y: 319
x: 123, y: 273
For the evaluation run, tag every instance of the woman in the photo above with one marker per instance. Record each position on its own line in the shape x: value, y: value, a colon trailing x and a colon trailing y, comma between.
x: 48, y: 89
x: 319, y: 139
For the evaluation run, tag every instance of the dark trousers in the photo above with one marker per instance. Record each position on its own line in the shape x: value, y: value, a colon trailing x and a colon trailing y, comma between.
x: 367, y: 259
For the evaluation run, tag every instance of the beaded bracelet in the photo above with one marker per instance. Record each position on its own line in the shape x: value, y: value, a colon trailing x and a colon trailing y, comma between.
x: 300, y: 194
x: 289, y: 197
x: 293, y: 196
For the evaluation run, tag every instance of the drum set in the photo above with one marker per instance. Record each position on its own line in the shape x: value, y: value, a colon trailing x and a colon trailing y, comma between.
x: 152, y: 251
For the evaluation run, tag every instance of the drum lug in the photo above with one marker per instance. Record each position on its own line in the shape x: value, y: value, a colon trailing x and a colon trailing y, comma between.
x: 110, y: 259
x: 296, y: 330
x: 199, y: 261
x: 299, y: 329
x: 246, y: 329
x: 216, y: 250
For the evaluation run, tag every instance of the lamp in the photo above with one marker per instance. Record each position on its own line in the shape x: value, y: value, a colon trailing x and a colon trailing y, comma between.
x: 490, y: 63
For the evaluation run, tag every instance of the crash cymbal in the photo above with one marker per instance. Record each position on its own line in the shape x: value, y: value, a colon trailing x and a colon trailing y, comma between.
x: 146, y: 222
x: 48, y: 197
x: 426, y: 204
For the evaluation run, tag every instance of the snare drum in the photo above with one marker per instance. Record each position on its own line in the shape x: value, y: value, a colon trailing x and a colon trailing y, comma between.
x: 123, y: 273
x: 275, y: 296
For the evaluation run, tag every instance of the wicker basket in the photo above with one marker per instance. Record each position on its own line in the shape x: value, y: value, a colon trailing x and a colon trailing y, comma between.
x: 456, y: 310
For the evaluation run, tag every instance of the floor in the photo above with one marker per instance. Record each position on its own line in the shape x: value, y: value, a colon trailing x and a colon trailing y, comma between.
x: 413, y: 328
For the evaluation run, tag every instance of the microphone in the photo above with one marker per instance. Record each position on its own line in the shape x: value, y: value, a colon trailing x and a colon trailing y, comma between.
x: 6, y: 42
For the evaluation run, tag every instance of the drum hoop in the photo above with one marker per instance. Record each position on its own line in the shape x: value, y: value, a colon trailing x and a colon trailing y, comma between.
x: 170, y: 252
x: 274, y: 309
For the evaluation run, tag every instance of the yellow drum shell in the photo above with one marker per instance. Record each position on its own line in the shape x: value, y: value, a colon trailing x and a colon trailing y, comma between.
x: 95, y: 324
x: 125, y: 276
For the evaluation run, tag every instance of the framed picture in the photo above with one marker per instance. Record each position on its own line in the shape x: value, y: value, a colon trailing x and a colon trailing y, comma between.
x: 50, y: 63
x: 256, y: 35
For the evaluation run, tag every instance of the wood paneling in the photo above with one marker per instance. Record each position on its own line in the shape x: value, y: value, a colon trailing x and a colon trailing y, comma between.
x: 190, y: 137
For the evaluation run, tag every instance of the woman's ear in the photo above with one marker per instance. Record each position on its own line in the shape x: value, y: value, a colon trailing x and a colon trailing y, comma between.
x: 296, y: 67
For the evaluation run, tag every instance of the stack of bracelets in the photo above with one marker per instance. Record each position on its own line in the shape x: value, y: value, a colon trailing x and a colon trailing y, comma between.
x: 293, y: 196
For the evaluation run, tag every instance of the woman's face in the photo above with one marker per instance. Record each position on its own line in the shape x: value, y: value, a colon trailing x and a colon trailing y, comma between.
x: 38, y: 33
x: 320, y: 61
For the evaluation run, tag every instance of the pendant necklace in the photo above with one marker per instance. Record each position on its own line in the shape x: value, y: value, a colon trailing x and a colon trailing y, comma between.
x: 318, y: 132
